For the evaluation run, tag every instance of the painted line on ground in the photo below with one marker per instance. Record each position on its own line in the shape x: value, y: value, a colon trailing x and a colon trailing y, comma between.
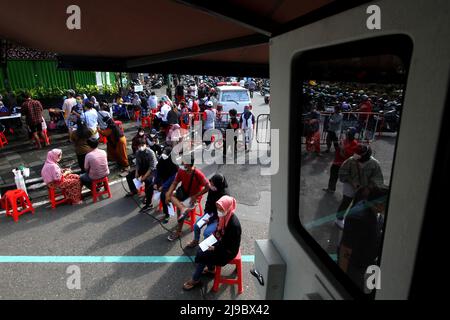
x: 104, y: 259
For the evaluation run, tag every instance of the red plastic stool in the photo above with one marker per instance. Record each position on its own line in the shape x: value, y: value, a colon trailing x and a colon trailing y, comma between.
x: 137, y: 115
x: 193, y: 214
x: 102, y: 139
x: 218, y: 279
x: 161, y: 205
x: 52, y: 195
x: 3, y: 140
x: 12, y: 197
x: 98, y: 184
x: 146, y: 122
x: 47, y: 139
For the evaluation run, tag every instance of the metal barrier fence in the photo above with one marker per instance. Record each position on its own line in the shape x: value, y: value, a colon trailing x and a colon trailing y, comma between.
x: 263, y: 128
x: 367, y: 124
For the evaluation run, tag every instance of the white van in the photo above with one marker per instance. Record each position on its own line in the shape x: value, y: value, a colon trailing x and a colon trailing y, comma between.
x: 232, y: 97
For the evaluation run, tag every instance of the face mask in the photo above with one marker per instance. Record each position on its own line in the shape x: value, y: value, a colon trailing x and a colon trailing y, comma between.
x: 220, y: 213
x: 152, y: 143
x: 356, y: 156
x: 142, y: 148
x: 141, y: 133
x: 164, y: 156
x: 182, y: 168
x: 213, y: 188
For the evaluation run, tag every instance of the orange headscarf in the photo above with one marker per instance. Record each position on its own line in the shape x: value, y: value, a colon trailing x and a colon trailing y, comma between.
x: 229, y: 205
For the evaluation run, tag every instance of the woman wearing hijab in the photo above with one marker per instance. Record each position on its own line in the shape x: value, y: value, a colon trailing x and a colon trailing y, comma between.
x: 218, y: 189
x: 116, y: 146
x: 228, y: 235
x: 54, y: 176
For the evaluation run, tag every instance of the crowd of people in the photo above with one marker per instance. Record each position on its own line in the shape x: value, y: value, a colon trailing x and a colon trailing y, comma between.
x: 360, y: 214
x: 150, y: 169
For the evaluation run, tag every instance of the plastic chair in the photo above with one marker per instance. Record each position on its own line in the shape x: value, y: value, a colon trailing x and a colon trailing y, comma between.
x: 102, y: 139
x: 98, y: 184
x: 12, y: 197
x: 52, y: 195
x: 47, y: 139
x: 194, y: 214
x: 3, y: 140
x: 218, y: 279
x: 146, y: 122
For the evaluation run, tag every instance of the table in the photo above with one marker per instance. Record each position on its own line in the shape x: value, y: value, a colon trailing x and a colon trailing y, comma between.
x: 13, y: 116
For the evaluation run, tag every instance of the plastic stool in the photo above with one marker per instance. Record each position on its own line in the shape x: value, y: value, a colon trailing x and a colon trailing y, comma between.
x: 3, y: 140
x: 102, y: 139
x: 193, y: 214
x: 146, y: 122
x: 11, y: 199
x: 47, y: 139
x: 52, y: 196
x: 218, y: 279
x: 99, y: 184
x: 160, y: 208
x: 137, y: 115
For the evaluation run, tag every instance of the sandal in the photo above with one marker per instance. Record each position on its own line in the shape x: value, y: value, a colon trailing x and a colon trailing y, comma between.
x: 190, y: 284
x: 192, y: 244
x: 174, y: 236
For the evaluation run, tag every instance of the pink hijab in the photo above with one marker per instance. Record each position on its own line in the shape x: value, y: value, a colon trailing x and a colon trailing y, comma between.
x: 51, y: 171
x: 229, y: 205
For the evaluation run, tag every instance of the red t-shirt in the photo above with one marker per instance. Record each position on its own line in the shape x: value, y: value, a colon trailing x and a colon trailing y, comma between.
x: 349, y: 150
x: 198, y: 182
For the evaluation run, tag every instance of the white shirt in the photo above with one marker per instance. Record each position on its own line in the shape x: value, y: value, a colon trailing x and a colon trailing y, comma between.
x: 165, y: 111
x: 152, y: 102
x: 68, y: 105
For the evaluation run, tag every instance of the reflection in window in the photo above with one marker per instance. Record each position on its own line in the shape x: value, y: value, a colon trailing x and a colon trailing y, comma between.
x: 349, y: 132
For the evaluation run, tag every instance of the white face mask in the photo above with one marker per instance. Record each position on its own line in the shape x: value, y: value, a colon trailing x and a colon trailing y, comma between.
x: 142, y: 148
x: 220, y: 213
x: 356, y: 156
x: 182, y: 168
x: 141, y: 133
x: 213, y: 188
x: 152, y: 143
x: 164, y: 156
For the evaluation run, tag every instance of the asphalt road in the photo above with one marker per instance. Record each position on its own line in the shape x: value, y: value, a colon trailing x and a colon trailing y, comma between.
x: 114, y: 228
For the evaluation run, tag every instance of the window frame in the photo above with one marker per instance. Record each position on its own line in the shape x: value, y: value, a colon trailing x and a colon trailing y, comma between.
x: 400, y: 45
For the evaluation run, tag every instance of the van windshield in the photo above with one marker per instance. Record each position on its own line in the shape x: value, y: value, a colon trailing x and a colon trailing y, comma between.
x: 240, y: 95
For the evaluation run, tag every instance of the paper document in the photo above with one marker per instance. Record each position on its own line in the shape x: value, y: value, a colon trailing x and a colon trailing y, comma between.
x: 202, y: 221
x: 171, y: 208
x: 208, y: 242
x: 137, y: 183
x: 156, y: 196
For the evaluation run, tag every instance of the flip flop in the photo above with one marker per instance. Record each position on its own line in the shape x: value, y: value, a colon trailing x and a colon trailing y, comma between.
x: 189, y: 285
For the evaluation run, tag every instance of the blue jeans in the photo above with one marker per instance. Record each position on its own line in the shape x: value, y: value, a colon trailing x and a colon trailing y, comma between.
x: 209, y: 229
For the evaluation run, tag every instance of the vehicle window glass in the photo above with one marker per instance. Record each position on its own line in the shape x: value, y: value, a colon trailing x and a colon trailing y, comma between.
x: 235, y: 96
x: 348, y: 116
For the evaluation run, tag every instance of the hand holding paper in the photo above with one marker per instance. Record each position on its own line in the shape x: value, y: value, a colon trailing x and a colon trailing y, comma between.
x: 203, y: 220
x: 208, y: 242
x: 137, y: 183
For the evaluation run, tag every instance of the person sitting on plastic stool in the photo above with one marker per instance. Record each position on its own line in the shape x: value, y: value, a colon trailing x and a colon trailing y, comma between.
x: 218, y: 187
x: 145, y: 167
x: 228, y: 235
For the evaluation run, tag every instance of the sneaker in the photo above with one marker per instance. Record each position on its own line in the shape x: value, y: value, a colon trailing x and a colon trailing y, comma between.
x: 173, y: 236
x: 339, y: 223
x: 166, y: 219
x: 146, y: 208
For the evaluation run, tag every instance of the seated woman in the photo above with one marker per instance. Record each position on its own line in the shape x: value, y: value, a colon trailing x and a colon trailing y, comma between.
x: 218, y: 189
x: 116, y: 146
x: 228, y: 235
x: 55, y: 177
